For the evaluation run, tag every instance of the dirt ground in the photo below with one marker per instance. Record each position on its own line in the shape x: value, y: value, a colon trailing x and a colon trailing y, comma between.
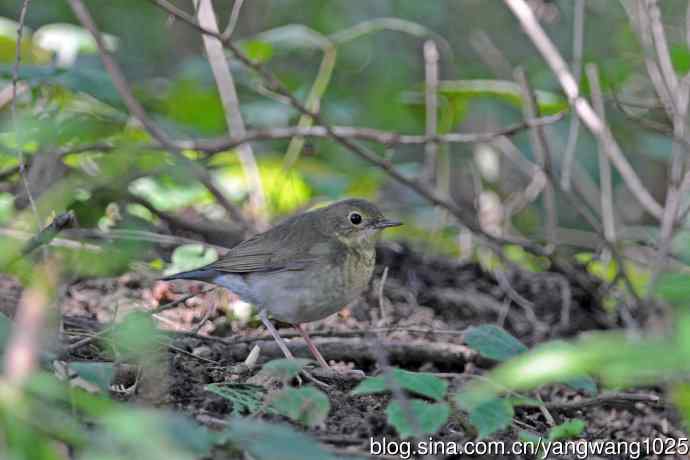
x: 420, y: 293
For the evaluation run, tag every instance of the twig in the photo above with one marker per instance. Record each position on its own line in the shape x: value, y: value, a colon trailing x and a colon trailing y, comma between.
x: 637, y: 11
x: 382, y: 283
x: 431, y: 110
x: 49, y: 232
x: 212, y: 146
x: 607, y: 213
x: 139, y: 113
x: 364, y: 134
x: 662, y: 52
x: 234, y: 16
x: 542, y: 155
x: 231, y: 104
x: 584, y: 110
x: 13, y: 107
x: 574, y: 130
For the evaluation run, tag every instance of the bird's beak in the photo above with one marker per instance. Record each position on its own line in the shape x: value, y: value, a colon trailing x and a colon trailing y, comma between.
x: 385, y: 223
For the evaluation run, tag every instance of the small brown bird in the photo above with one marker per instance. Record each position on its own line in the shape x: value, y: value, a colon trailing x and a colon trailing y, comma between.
x: 304, y: 269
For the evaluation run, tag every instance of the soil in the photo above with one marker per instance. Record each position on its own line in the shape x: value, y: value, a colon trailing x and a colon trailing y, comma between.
x: 420, y: 293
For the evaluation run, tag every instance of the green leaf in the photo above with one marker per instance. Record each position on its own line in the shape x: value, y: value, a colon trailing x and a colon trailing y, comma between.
x: 674, y: 288
x: 191, y: 256
x: 294, y: 37
x: 493, y: 342
x: 417, y: 382
x: 137, y: 334
x: 428, y: 418
x: 284, y: 369
x: 306, y: 405
x: 584, y: 383
x: 680, y: 395
x: 151, y: 434
x: 258, y: 50
x: 266, y: 441
x: 680, y: 57
x: 99, y: 373
x: 567, y: 430
x: 244, y: 397
x: 488, y: 416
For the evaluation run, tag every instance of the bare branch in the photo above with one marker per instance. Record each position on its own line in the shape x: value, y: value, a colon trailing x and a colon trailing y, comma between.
x: 607, y: 213
x: 364, y: 134
x: 574, y: 130
x: 541, y: 153
x: 431, y: 106
x: 49, y: 232
x: 13, y: 106
x: 584, y: 110
x: 231, y: 104
x: 637, y: 11
x: 662, y: 52
x: 234, y: 16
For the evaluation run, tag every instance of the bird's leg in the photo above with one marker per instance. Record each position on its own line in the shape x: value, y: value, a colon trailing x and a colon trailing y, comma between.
x: 286, y: 351
x: 312, y: 348
x: 274, y: 332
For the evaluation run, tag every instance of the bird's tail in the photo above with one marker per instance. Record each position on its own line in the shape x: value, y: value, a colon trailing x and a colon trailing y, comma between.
x: 201, y: 274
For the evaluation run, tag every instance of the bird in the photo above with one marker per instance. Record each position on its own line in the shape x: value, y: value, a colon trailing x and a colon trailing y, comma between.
x: 304, y: 269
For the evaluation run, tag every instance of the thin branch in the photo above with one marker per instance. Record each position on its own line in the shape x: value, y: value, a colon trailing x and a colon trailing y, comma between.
x: 388, y: 138
x: 662, y: 52
x: 234, y: 16
x: 584, y: 110
x: 231, y: 105
x: 637, y: 11
x: 364, y: 134
x: 13, y: 107
x: 139, y: 113
x: 541, y: 154
x: 431, y: 110
x: 48, y: 234
x: 607, y: 213
x: 574, y: 130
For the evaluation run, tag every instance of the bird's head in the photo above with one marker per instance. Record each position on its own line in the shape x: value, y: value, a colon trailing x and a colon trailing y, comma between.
x: 355, y: 222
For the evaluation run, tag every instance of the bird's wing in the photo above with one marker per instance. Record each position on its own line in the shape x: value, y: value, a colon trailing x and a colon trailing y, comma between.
x: 276, y: 249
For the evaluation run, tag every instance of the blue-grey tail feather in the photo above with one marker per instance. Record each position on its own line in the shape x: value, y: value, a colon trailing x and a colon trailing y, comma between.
x: 202, y: 274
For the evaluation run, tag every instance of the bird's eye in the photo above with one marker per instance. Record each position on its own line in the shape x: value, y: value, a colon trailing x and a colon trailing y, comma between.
x: 355, y: 218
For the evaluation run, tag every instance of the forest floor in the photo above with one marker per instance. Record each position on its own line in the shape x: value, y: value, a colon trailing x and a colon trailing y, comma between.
x: 420, y: 294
